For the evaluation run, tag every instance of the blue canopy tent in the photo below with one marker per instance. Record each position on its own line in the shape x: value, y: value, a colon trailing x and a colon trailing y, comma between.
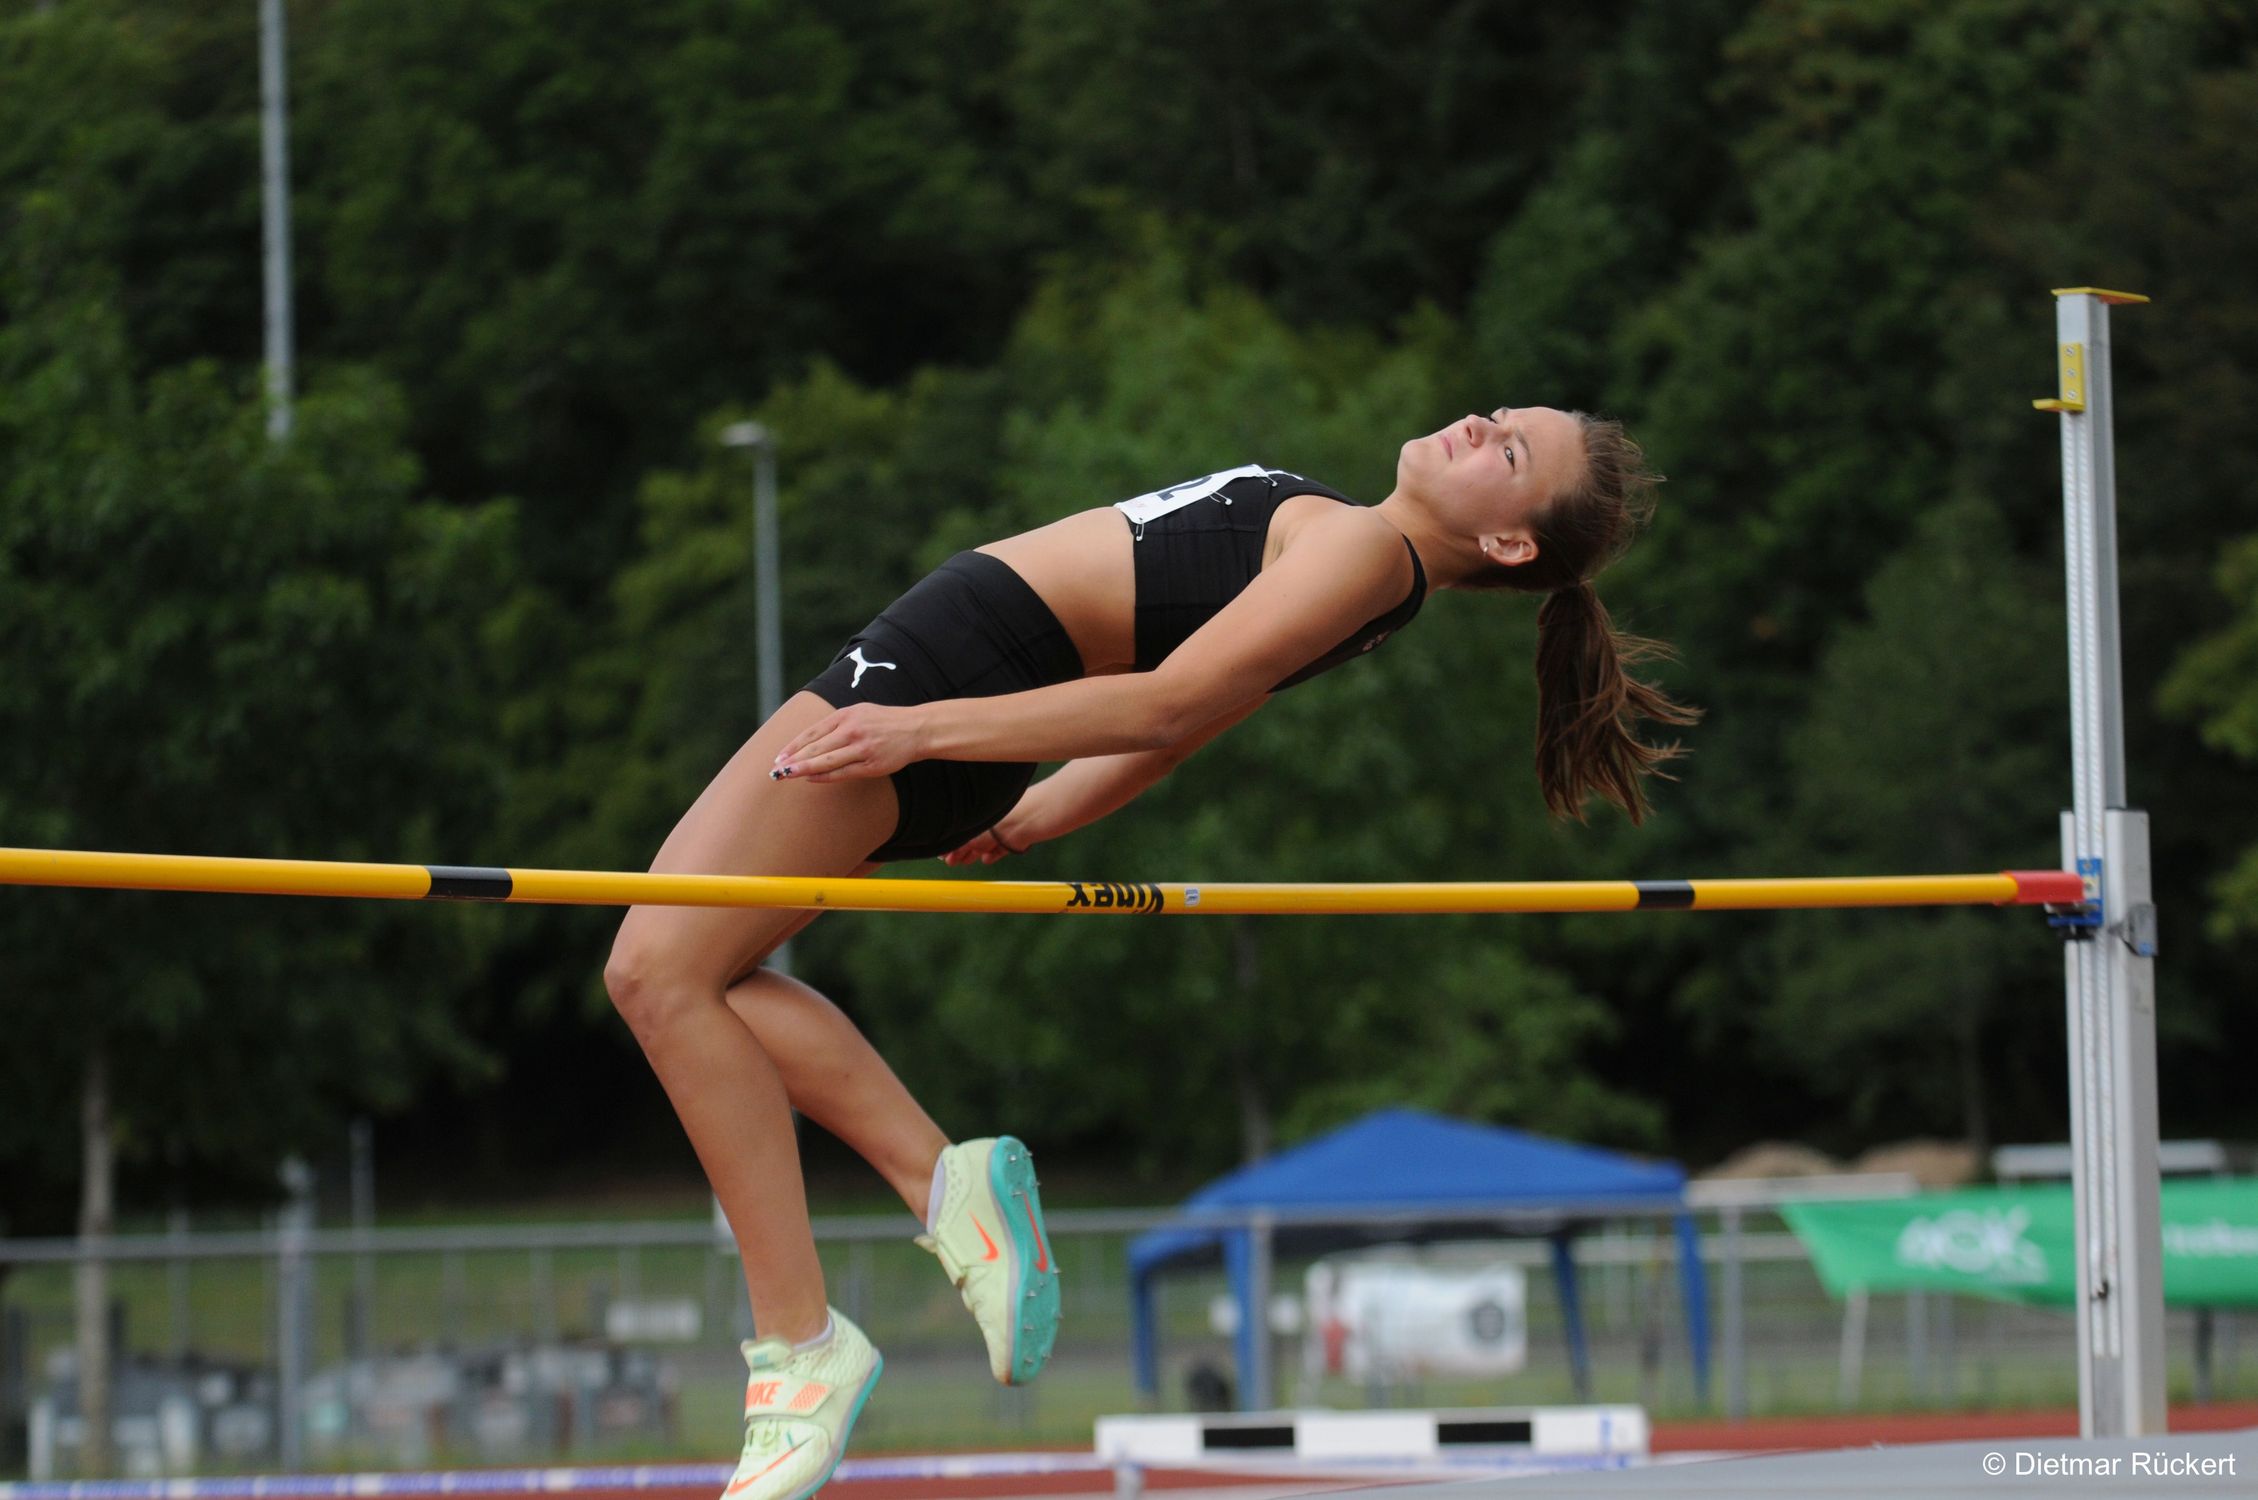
x: 1477, y: 1181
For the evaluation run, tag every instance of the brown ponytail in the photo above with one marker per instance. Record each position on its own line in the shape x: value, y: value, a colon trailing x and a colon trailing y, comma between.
x: 1588, y: 704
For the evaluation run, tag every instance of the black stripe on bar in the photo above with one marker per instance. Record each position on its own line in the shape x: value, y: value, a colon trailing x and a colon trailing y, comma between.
x: 1483, y: 1431
x: 467, y: 883
x: 1249, y: 1436
x: 1665, y: 895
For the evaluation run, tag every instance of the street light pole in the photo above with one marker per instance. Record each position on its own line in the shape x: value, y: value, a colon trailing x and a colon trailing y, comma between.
x: 768, y: 604
x: 768, y: 612
x: 274, y: 174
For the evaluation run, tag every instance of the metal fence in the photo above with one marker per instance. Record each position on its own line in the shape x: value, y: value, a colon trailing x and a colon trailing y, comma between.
x: 404, y: 1347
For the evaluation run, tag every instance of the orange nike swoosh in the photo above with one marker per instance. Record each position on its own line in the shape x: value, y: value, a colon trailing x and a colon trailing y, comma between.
x: 1042, y: 1251
x: 991, y: 1244
x: 748, y: 1479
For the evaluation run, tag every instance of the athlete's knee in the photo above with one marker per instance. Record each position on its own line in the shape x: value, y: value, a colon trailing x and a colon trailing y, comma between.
x: 646, y: 988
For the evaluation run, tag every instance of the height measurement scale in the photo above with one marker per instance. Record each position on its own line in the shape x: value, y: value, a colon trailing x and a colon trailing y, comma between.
x: 2110, y: 960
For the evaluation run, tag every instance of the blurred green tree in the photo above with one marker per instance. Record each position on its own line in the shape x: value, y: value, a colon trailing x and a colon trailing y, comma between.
x: 570, y: 229
x: 2217, y: 681
x: 1348, y: 160
x: 1932, y: 742
x: 2154, y: 189
x: 215, y: 644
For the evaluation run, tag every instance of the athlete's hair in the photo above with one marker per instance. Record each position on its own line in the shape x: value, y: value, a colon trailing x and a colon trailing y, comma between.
x: 1587, y: 702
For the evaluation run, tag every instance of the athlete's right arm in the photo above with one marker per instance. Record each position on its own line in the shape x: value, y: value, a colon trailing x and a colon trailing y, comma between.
x: 1083, y: 791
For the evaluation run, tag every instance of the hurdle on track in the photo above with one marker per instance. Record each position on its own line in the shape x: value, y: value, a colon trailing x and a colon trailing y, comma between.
x: 1537, y: 1433
x: 301, y: 877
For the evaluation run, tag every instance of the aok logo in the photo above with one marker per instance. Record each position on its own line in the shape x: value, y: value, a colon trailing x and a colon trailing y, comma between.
x: 1986, y: 1242
x: 1111, y: 895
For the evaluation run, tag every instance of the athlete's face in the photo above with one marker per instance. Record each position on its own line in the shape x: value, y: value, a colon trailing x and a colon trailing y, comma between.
x: 1490, y: 477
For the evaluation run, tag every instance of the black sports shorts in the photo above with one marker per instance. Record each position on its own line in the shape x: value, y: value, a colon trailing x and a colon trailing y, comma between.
x: 971, y: 629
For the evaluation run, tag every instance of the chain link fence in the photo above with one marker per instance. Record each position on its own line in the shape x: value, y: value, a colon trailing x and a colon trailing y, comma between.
x: 411, y: 1348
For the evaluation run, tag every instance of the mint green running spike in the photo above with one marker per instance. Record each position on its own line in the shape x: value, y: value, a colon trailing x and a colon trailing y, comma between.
x: 989, y: 1237
x: 799, y: 1407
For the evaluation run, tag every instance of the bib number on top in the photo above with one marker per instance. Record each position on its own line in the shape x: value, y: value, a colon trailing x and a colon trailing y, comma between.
x: 1161, y: 502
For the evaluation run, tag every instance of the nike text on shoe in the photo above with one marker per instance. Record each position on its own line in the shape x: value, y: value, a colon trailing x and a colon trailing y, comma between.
x: 799, y: 1407
x: 989, y: 1238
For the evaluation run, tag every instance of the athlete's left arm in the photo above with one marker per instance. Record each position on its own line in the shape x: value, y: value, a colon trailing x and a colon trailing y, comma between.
x: 1083, y: 791
x: 1342, y: 568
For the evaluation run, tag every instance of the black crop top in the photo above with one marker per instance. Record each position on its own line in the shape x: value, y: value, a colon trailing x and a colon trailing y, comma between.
x: 1200, y: 542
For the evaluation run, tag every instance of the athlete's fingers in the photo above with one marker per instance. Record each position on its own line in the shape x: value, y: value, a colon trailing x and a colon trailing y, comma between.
x: 839, y: 763
x: 805, y: 761
x: 866, y: 740
x: 814, y: 751
x: 846, y: 727
x: 799, y: 741
x: 980, y: 849
x: 820, y: 730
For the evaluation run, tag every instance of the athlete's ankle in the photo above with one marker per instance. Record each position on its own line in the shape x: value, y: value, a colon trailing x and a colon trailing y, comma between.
x: 935, y: 1192
x: 801, y: 1333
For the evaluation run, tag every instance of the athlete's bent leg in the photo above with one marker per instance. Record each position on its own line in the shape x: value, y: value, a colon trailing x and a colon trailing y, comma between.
x: 835, y: 1077
x: 668, y: 974
x: 988, y: 1231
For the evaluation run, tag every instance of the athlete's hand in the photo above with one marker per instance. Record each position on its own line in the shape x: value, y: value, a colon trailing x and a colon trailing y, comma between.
x: 1011, y: 834
x: 984, y: 849
x: 860, y: 741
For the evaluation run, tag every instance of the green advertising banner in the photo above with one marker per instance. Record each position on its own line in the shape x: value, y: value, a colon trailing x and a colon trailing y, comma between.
x: 2014, y: 1243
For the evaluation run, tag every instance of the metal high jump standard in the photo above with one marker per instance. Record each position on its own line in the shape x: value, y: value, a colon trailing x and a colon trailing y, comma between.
x: 2110, y: 962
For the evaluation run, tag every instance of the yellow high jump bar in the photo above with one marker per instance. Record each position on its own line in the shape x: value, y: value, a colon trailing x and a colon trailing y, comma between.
x: 306, y: 877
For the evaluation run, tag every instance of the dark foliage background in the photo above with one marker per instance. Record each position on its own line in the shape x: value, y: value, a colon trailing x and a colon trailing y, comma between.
x: 980, y: 264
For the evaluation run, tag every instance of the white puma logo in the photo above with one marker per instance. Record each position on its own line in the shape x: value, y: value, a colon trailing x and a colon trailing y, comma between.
x: 862, y: 666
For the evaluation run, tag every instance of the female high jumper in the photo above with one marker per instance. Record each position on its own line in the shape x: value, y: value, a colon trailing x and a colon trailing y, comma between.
x: 1118, y: 640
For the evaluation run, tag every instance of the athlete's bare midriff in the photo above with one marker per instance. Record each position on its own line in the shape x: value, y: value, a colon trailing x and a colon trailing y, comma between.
x: 1084, y: 567
x: 1081, y: 566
